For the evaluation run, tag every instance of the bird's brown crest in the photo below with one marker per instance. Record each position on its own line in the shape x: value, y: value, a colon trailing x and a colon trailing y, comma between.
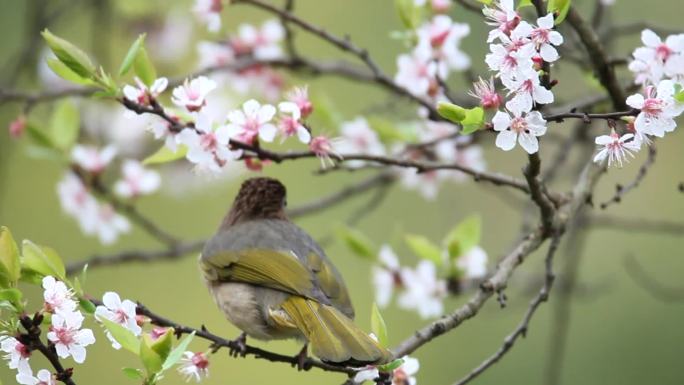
x: 258, y: 198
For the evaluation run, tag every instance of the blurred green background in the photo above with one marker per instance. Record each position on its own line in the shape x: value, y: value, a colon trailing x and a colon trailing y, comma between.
x: 618, y: 333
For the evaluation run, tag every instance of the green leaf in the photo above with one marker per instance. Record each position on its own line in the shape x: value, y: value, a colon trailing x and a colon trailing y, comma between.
x: 42, y: 260
x: 679, y: 93
x: 409, y: 14
x: 177, y: 353
x: 150, y: 358
x: 131, y: 55
x: 391, y: 366
x: 72, y: 56
x: 358, y: 242
x: 424, y: 248
x: 133, y: 373
x: 451, y: 112
x: 10, y: 263
x: 163, y: 344
x: 473, y: 121
x: 39, y: 137
x: 87, y: 305
x: 378, y: 325
x: 65, y: 124
x: 560, y: 6
x: 165, y: 155
x: 464, y: 236
x: 12, y: 296
x: 144, y: 68
x: 123, y: 336
x: 67, y: 74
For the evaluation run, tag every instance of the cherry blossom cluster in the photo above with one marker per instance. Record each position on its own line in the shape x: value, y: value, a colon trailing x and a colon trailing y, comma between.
x: 261, y: 43
x: 436, y: 52
x: 518, y: 53
x: 421, y: 288
x: 65, y: 333
x: 95, y: 217
x: 658, y: 67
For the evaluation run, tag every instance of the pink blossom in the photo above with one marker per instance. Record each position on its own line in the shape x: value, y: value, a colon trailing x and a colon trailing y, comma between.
x: 254, y: 120
x: 322, y: 147
x: 192, y: 94
x: 17, y: 126
x: 502, y: 16
x: 209, y: 12
x: 658, y: 109
x: 17, y: 354
x: 208, y: 147
x: 444, y: 36
x: 300, y: 97
x: 194, y: 366
x: 290, y: 123
x: 485, y: 92
x: 143, y: 95
x: 358, y: 138
x: 68, y: 337
x: 616, y: 148
x: 263, y: 43
x: 418, y: 71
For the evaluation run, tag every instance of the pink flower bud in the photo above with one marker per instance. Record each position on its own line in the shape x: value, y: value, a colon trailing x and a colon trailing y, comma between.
x: 17, y: 127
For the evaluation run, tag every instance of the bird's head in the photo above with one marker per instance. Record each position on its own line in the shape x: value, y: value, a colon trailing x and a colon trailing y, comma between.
x: 258, y: 198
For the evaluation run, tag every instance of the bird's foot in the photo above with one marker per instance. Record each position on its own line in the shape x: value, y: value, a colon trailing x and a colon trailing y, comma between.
x: 239, y: 346
x: 303, y: 359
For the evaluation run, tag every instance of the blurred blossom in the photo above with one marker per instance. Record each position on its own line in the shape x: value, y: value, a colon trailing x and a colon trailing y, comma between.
x: 109, y: 224
x: 136, y: 180
x: 171, y: 41
x: 77, y: 201
x: 290, y: 123
x: 194, y: 366
x: 209, y: 13
x: 263, y: 43
x: 59, y: 299
x: 161, y: 129
x: 92, y: 159
x: 444, y: 36
x: 385, y: 275
x: 68, y: 337
x: 473, y: 263
x: 213, y: 54
x: 300, y: 97
x: 616, y: 148
x: 192, y: 94
x: 17, y: 126
x: 17, y: 354
x: 121, y: 312
x: 357, y: 137
x: 657, y: 59
x: 417, y: 71
x: 44, y: 377
x: 424, y: 291
x: 324, y: 149
x: 252, y: 121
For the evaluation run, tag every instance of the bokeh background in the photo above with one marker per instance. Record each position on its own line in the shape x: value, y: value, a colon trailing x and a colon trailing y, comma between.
x: 618, y: 332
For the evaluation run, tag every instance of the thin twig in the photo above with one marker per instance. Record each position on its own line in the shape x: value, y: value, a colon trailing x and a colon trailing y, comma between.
x: 652, y: 286
x: 621, y: 191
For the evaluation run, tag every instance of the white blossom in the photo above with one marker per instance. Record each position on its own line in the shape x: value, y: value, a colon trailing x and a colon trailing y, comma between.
x: 251, y: 121
x: 264, y: 42
x: 121, y: 312
x: 193, y: 93
x: 137, y: 180
x: 209, y: 12
x: 616, y: 148
x: 109, y: 224
x: 92, y: 159
x: 357, y: 137
x: 68, y: 337
x: 384, y: 276
x: 208, y: 147
x: 424, y: 290
x: 290, y: 123
x: 44, y: 377
x: 658, y: 109
x: 141, y: 94
x: 527, y: 90
x: 17, y: 354
x: 59, y: 299
x: 473, y: 263
x: 523, y: 128
x: 194, y: 366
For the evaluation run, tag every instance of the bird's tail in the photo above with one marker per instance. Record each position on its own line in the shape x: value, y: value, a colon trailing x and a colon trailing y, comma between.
x: 334, y: 338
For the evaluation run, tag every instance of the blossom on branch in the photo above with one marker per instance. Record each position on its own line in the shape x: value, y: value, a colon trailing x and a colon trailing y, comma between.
x: 522, y: 127
x: 17, y: 354
x: 136, y: 180
x: 121, y: 312
x: 616, y: 148
x: 208, y: 147
x: 209, y: 12
x: 194, y: 366
x: 658, y: 59
x: 92, y: 159
x: 68, y: 337
x: 254, y: 120
x: 193, y: 93
x: 262, y: 43
x: 141, y: 94
x: 44, y: 377
x: 424, y: 290
x: 358, y: 138
x: 59, y: 299
x: 658, y: 109
x: 290, y: 123
x: 300, y: 97
x: 386, y: 276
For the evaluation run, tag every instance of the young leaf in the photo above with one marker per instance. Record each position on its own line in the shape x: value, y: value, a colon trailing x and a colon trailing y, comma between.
x: 561, y: 7
x: 391, y: 366
x: 144, y: 68
x: 451, y: 112
x: 12, y: 296
x: 131, y: 55
x: 163, y: 344
x: 75, y: 59
x: 42, y: 260
x: 422, y: 247
x: 165, y: 155
x: 177, y: 353
x: 464, y: 236
x: 409, y: 14
x: 679, y: 96
x: 123, y: 336
x: 378, y: 325
x: 39, y: 137
x: 10, y: 264
x: 64, y: 124
x: 473, y: 121
x: 150, y: 358
x: 87, y: 306
x: 133, y: 373
x: 358, y: 242
x: 67, y: 74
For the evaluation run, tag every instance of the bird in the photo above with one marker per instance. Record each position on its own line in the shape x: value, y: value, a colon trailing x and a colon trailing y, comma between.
x: 273, y: 281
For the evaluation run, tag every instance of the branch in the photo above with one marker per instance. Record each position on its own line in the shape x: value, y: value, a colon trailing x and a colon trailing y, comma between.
x: 621, y: 191
x: 651, y: 285
x: 32, y: 339
x: 219, y: 342
x: 637, y: 225
x: 521, y: 330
